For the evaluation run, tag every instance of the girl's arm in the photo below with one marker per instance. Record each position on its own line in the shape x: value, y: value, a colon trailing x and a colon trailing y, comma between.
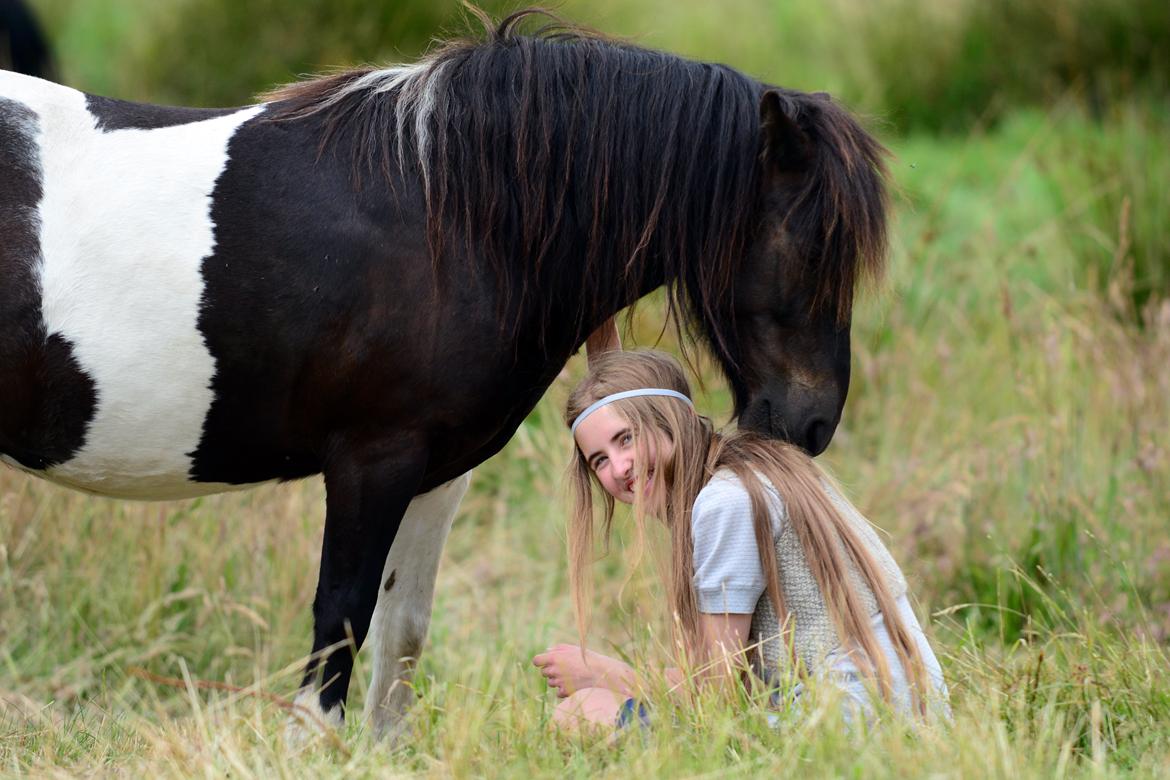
x: 724, y: 650
x: 725, y: 641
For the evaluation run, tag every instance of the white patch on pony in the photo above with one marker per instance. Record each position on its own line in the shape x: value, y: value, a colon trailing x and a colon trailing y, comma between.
x: 403, y: 614
x: 125, y: 223
x: 307, y: 718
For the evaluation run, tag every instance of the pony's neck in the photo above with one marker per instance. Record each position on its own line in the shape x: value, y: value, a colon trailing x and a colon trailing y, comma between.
x: 580, y: 174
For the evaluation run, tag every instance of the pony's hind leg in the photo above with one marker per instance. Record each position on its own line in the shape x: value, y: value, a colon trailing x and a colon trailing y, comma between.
x: 367, y: 493
x: 405, y: 596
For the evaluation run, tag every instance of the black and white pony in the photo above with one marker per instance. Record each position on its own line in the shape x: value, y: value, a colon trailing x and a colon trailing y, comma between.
x: 376, y: 275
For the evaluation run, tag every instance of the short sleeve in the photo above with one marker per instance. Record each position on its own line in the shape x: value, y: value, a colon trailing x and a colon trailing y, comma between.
x: 728, y: 577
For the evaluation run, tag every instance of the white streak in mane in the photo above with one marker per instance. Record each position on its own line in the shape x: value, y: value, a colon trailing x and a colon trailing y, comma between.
x: 417, y: 89
x: 420, y: 99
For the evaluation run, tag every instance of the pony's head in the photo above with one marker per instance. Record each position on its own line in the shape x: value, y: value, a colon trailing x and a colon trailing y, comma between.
x: 820, y: 227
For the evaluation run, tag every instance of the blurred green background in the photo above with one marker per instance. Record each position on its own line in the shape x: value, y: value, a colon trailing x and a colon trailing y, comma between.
x: 1007, y: 422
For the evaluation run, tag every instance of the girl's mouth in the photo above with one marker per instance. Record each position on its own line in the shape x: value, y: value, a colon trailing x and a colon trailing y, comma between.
x: 649, y: 480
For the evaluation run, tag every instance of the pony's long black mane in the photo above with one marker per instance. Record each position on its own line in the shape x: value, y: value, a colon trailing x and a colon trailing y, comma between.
x: 568, y: 161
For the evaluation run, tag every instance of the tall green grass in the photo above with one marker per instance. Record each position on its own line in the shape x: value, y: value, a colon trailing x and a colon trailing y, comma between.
x: 1049, y: 611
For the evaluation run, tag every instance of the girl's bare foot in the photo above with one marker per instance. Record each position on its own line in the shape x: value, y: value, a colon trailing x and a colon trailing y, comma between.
x: 565, y: 669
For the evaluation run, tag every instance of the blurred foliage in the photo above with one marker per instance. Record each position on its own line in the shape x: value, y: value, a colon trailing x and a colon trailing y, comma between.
x: 1067, y: 202
x: 269, y: 42
x: 947, y: 65
x: 922, y: 65
x: 223, y: 52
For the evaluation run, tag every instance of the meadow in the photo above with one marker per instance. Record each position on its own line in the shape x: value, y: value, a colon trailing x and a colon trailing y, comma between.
x: 1006, y: 427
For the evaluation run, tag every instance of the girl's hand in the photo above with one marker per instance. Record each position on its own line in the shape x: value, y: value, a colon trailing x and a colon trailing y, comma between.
x: 566, y: 671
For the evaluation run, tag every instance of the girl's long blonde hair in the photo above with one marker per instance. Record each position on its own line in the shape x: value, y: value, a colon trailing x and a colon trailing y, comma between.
x: 830, y: 543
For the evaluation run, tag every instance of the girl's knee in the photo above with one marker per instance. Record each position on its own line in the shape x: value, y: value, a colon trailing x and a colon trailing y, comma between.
x: 589, y: 706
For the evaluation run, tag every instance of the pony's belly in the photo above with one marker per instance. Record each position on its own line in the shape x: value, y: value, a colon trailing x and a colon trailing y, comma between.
x: 133, y: 481
x: 125, y: 481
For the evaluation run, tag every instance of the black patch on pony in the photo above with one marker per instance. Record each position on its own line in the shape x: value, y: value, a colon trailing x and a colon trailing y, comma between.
x: 291, y: 263
x: 114, y: 114
x: 46, y: 400
x: 321, y: 314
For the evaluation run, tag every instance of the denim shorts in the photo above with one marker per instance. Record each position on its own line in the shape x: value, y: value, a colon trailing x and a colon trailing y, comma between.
x: 632, y: 710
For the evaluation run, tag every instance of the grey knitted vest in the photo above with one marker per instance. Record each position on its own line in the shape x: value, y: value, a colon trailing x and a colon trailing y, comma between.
x: 814, y: 635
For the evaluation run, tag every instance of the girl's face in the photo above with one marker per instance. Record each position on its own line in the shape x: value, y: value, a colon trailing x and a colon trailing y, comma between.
x: 607, y: 442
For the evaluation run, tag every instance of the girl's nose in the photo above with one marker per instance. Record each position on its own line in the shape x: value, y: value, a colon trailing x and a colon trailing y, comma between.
x: 625, y: 467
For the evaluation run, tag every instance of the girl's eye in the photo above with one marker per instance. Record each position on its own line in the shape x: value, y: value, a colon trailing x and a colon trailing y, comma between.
x: 599, y: 462
x: 627, y: 439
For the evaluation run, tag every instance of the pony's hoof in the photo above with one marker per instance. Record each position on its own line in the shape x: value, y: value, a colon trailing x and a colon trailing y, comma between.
x: 390, y: 727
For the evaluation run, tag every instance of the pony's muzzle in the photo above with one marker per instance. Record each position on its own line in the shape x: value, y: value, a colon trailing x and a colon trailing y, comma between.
x: 797, y: 421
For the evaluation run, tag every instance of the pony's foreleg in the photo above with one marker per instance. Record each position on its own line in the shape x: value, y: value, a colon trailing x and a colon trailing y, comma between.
x: 368, y: 489
x: 407, y: 592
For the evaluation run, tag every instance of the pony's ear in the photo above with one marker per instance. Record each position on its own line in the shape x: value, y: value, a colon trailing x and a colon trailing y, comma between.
x: 786, y: 145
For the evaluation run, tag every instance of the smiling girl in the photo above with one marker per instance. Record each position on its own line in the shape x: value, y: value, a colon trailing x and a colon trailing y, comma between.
x: 771, y: 570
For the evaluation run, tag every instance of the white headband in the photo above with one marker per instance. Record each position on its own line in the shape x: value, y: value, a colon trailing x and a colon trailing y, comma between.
x: 609, y: 399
